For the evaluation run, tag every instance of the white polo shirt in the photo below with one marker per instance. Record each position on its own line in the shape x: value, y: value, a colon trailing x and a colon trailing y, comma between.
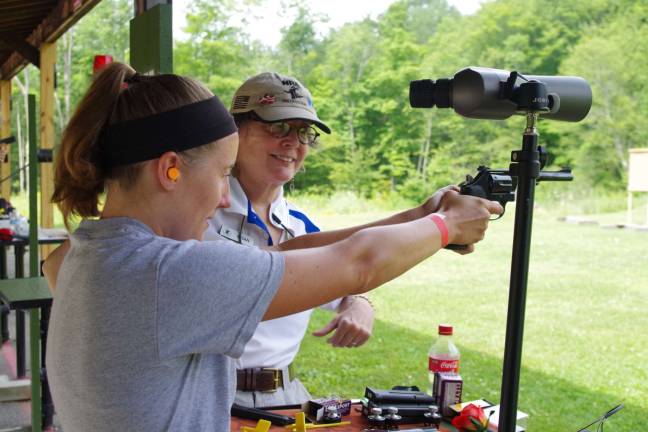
x: 276, y: 342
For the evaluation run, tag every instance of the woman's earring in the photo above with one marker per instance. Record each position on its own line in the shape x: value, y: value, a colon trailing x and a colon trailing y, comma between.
x: 291, y: 185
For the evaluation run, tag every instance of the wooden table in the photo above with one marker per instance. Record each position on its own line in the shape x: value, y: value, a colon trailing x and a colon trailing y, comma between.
x: 34, y: 295
x: 20, y: 246
x: 358, y: 423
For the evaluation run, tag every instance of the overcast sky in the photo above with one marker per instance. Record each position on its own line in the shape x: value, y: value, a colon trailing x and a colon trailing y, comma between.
x: 339, y: 12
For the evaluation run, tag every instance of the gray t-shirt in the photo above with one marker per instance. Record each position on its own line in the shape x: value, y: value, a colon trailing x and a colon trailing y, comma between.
x: 143, y: 328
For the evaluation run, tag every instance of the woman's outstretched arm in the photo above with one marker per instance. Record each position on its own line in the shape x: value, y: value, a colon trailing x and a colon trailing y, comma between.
x: 372, y: 256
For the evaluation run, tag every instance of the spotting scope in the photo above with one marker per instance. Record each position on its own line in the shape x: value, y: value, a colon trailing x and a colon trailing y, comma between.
x: 495, y: 94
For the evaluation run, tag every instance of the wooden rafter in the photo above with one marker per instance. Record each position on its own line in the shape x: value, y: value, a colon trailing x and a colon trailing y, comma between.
x: 59, y: 20
x: 23, y: 48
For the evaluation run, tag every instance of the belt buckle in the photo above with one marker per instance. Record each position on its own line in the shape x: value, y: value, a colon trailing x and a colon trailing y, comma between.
x: 275, y: 379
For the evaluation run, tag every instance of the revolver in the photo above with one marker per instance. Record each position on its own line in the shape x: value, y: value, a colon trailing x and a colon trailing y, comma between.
x: 493, y: 185
x: 500, y: 185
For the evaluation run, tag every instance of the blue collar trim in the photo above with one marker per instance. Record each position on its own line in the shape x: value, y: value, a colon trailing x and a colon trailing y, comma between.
x: 253, y: 218
x: 308, y: 224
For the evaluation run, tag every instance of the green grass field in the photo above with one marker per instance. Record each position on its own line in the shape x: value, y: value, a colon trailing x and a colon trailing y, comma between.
x: 584, y: 347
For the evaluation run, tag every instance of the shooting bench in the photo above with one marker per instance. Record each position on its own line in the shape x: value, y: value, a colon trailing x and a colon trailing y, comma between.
x: 358, y: 423
x: 34, y: 295
x: 20, y: 246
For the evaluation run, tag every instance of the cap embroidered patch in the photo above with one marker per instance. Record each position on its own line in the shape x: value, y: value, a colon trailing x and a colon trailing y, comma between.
x: 240, y: 102
x: 267, y: 99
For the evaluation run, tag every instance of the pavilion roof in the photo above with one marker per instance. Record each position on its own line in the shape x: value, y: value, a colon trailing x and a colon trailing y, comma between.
x: 26, y: 24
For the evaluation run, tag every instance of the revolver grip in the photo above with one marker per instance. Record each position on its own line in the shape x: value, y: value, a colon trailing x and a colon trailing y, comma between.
x: 473, y: 190
x: 452, y: 246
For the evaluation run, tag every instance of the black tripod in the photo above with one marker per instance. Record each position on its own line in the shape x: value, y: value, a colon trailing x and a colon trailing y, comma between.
x: 526, y: 165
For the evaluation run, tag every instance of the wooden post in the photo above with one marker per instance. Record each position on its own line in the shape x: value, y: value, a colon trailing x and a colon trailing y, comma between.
x: 5, y: 189
x: 637, y: 177
x: 47, y: 136
x: 5, y: 131
x: 151, y: 39
x: 34, y: 335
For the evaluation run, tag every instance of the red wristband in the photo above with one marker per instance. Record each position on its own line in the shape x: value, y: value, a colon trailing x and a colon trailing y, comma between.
x: 439, y: 221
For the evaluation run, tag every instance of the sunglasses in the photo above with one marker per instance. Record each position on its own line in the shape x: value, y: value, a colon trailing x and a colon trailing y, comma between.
x: 306, y: 135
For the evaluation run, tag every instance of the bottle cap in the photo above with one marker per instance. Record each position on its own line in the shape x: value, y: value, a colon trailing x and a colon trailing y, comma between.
x: 445, y: 329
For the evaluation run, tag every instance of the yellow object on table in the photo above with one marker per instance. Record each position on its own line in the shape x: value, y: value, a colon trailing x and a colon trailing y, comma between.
x: 262, y: 426
x: 301, y: 425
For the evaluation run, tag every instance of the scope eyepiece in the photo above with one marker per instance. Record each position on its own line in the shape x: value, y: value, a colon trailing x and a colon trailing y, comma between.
x: 421, y: 93
x: 427, y: 93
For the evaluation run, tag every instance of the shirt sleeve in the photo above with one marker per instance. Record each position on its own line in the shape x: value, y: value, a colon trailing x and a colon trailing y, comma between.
x: 212, y: 295
x: 332, y: 305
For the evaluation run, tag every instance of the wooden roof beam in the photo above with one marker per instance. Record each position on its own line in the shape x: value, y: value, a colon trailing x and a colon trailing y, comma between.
x: 63, y: 16
x: 25, y: 49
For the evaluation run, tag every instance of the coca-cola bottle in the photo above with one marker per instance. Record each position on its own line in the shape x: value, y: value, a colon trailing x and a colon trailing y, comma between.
x: 443, y: 355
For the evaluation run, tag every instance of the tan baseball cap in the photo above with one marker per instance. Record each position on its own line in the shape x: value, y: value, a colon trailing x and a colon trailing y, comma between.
x: 275, y: 97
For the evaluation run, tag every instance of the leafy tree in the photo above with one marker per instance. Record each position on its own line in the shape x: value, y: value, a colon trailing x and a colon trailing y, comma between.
x: 359, y: 75
x: 216, y: 52
x: 297, y: 52
x: 337, y: 85
x: 616, y: 122
x: 103, y: 31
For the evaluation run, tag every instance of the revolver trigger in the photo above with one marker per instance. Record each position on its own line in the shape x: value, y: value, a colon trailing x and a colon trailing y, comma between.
x: 499, y: 216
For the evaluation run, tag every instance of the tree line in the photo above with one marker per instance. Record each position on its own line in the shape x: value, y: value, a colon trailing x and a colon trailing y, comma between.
x: 359, y: 75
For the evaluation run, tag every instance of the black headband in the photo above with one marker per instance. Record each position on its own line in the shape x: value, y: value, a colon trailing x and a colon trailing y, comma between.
x: 177, y: 130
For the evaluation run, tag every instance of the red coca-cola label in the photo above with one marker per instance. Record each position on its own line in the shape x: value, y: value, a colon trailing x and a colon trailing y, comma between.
x: 443, y: 365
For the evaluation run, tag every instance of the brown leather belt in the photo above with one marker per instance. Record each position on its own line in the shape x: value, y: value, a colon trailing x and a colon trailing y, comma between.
x: 259, y: 379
